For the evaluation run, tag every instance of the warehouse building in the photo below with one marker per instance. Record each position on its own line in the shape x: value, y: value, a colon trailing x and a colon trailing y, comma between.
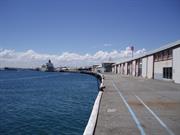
x: 107, y: 66
x: 161, y: 64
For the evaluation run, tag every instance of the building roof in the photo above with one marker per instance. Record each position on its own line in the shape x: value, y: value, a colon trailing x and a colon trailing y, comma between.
x: 108, y: 62
x: 167, y: 46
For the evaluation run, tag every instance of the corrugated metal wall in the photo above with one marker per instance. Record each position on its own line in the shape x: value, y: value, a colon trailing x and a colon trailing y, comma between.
x: 150, y: 67
x: 176, y: 65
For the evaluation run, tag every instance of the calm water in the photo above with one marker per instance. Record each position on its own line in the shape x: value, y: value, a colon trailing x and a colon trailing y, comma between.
x: 45, y: 103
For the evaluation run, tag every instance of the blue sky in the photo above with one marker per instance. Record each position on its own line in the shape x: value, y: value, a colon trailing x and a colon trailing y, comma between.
x: 87, y: 26
x: 84, y: 26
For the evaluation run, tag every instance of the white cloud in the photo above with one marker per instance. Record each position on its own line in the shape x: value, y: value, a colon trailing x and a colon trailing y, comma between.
x: 30, y: 58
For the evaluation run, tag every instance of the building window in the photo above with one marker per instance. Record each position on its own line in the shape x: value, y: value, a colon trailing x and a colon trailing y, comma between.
x: 167, y: 72
x: 160, y: 56
x: 155, y: 57
x: 163, y: 55
x: 169, y: 54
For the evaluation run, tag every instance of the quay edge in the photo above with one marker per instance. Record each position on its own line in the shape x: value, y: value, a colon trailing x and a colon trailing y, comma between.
x: 91, y: 125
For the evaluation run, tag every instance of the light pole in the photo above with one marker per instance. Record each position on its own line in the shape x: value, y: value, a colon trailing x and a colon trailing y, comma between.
x: 132, y: 49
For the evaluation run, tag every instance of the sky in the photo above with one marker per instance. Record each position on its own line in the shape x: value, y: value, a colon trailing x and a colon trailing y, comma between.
x: 83, y: 32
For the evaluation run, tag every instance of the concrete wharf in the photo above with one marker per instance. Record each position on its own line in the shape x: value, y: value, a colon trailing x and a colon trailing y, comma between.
x: 137, y: 106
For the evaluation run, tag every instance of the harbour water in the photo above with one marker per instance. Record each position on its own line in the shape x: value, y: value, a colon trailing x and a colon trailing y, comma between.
x: 45, y: 103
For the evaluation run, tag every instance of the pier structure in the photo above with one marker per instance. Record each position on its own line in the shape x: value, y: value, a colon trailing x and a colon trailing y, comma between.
x: 138, y: 106
x: 136, y: 99
x: 90, y: 127
x: 162, y: 64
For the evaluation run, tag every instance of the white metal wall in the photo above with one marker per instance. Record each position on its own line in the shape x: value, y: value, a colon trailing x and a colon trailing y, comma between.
x: 150, y: 67
x: 119, y: 70
x: 125, y: 69
x: 144, y: 67
x: 176, y: 65
x: 158, y: 68
x: 134, y: 67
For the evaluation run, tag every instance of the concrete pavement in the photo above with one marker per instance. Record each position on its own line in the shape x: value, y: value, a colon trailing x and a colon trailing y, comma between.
x: 136, y: 106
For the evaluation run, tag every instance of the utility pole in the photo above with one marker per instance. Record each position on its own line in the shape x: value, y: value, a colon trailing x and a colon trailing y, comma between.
x: 132, y: 49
